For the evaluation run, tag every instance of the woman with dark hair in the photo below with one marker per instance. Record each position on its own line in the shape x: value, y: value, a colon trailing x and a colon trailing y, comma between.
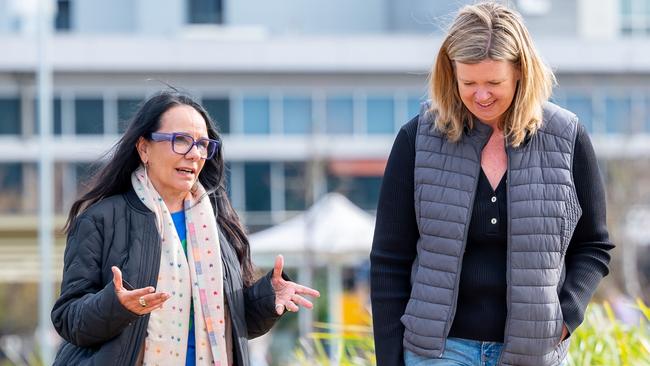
x: 157, y: 264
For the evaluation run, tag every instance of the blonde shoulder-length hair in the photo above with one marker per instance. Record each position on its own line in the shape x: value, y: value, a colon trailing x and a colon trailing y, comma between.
x: 490, y: 31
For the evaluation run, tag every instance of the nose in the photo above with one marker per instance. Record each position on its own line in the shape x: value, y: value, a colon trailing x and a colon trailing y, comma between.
x: 193, y: 154
x: 482, y: 94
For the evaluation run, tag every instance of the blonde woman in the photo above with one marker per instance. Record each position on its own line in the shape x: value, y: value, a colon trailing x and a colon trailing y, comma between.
x: 491, y: 235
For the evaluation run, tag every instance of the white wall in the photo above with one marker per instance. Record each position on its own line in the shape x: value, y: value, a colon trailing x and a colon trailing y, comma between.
x: 599, y: 20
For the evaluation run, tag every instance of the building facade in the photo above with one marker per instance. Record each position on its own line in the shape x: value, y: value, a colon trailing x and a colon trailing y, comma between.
x: 308, y: 95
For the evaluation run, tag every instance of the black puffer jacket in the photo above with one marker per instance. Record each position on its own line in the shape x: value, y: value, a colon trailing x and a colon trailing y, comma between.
x: 96, y: 328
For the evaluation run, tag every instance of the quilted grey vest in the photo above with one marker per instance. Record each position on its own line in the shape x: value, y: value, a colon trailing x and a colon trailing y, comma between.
x: 543, y: 211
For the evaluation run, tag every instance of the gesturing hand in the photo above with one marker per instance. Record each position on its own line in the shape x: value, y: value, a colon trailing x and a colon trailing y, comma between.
x: 288, y: 293
x: 139, y: 301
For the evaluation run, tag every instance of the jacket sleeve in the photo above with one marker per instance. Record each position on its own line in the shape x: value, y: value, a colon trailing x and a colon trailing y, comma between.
x: 259, y: 301
x: 587, y: 258
x: 393, y: 252
x: 88, y: 311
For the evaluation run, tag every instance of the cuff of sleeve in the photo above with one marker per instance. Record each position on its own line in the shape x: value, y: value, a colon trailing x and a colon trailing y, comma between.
x: 266, y: 294
x: 573, y: 316
x: 118, y: 313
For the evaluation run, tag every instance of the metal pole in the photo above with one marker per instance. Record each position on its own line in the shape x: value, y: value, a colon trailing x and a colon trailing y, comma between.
x: 334, y: 292
x: 45, y: 182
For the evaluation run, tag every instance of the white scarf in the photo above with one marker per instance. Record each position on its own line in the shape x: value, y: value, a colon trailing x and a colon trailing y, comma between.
x: 197, y: 276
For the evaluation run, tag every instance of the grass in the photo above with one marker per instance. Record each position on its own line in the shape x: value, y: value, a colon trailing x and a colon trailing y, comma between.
x: 601, y: 340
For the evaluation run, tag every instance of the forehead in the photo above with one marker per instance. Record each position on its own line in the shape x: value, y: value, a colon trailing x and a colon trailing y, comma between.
x: 486, y: 69
x: 183, y: 118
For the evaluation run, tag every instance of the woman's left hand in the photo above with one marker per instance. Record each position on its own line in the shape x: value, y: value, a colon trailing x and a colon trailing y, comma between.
x: 288, y: 294
x: 565, y: 332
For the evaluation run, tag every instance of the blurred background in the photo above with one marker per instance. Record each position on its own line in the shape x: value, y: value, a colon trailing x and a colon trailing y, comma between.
x: 309, y: 96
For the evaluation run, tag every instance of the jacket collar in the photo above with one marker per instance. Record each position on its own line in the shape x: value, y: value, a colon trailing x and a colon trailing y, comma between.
x: 479, y: 134
x: 133, y: 201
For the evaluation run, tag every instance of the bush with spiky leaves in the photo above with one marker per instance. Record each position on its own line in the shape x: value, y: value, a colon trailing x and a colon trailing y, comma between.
x: 601, y: 340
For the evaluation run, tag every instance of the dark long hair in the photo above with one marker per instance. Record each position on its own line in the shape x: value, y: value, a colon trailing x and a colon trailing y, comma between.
x: 114, y: 177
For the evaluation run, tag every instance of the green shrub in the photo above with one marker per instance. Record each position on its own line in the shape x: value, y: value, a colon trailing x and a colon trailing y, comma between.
x: 601, y: 340
x: 353, y: 345
x: 604, y: 340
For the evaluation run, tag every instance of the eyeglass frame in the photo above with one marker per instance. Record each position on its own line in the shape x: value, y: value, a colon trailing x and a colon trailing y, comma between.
x: 164, y: 136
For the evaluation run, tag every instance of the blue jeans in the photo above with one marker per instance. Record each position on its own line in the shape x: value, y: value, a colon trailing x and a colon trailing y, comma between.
x: 461, y: 352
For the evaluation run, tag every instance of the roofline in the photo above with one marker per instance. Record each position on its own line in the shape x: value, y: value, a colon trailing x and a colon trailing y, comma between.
x: 296, y: 54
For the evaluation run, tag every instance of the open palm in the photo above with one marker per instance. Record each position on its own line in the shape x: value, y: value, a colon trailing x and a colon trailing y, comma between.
x: 288, y: 294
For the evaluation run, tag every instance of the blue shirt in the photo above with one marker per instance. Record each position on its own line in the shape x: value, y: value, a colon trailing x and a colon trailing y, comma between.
x: 179, y: 224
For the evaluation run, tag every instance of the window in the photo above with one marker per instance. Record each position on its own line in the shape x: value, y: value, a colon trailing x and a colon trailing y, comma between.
x: 11, y: 181
x: 413, y: 106
x: 256, y: 115
x: 295, y: 186
x: 83, y: 174
x: 219, y: 111
x: 581, y: 105
x: 257, y: 176
x: 362, y: 191
x: 89, y: 116
x: 56, y: 117
x: 63, y: 22
x: 534, y: 7
x: 126, y: 108
x: 635, y: 17
x: 618, y: 115
x: 57, y: 188
x: 380, y: 115
x: 228, y: 179
x: 339, y: 115
x: 65, y: 186
x: 205, y: 11
x: 10, y: 116
x: 646, y: 127
x: 297, y: 115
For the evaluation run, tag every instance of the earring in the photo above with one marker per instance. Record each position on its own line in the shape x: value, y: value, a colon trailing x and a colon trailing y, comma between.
x: 146, y: 174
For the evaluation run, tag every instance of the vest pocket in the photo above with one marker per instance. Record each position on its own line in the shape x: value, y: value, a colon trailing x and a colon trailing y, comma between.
x: 562, y: 349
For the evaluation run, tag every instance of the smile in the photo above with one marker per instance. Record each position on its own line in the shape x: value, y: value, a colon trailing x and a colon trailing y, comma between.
x: 486, y: 105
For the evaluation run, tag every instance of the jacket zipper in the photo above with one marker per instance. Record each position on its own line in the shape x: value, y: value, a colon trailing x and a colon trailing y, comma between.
x: 149, y: 276
x: 452, y: 313
x: 509, y: 249
x: 228, y: 287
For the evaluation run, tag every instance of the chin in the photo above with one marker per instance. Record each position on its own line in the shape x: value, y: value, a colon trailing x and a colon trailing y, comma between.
x: 184, y: 187
x: 486, y: 118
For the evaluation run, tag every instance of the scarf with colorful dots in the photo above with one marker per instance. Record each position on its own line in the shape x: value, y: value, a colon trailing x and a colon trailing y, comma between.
x: 197, y: 276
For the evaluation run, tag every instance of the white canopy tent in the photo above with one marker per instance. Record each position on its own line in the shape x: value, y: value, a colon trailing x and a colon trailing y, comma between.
x: 333, y: 232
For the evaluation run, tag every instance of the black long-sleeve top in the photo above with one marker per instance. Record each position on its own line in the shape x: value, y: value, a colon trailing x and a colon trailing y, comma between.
x: 481, y: 308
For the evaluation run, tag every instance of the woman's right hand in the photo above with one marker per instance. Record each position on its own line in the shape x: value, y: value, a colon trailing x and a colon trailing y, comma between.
x: 140, y: 301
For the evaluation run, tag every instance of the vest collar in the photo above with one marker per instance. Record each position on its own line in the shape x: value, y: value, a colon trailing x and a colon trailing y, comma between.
x: 479, y: 133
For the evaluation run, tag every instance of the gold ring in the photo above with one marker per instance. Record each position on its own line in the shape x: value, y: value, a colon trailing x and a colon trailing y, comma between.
x: 142, y: 302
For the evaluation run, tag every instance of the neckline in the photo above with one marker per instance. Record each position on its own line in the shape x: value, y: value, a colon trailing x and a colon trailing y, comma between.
x: 501, y: 181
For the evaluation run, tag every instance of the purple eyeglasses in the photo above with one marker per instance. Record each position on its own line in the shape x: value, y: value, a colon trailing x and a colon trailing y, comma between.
x: 182, y: 143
